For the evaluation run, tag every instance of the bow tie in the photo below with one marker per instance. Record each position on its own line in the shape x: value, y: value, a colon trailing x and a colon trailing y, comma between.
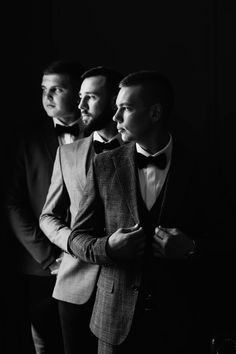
x: 100, y: 146
x: 63, y: 129
x: 159, y: 161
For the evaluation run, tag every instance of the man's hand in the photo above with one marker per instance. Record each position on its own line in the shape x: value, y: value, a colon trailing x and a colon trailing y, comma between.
x: 54, y: 267
x: 127, y: 243
x: 172, y: 243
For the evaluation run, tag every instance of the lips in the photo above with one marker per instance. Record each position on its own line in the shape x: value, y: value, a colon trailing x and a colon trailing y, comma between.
x: 120, y: 130
x: 85, y: 114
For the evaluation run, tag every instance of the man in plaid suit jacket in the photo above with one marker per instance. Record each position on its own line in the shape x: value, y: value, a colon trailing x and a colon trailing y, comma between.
x: 150, y: 287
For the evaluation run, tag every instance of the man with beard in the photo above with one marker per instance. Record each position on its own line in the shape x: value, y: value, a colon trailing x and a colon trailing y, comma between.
x: 76, y: 279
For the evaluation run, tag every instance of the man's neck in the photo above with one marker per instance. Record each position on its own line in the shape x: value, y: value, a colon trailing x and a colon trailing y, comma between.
x: 156, y: 143
x: 67, y: 120
x: 108, y: 132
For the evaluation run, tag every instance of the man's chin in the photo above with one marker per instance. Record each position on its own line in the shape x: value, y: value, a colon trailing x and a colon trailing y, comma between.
x: 126, y: 138
x: 87, y: 120
x: 88, y: 128
x: 95, y: 123
x: 49, y: 112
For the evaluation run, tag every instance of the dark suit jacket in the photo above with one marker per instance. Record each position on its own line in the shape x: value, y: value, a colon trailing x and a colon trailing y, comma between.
x: 26, y: 196
x: 110, y: 202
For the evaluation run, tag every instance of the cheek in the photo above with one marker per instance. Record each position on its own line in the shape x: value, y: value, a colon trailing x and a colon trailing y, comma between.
x: 66, y: 103
x: 44, y: 98
x: 134, y: 123
x: 97, y: 108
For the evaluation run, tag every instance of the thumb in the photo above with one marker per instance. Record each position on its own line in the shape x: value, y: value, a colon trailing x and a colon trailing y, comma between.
x: 131, y: 228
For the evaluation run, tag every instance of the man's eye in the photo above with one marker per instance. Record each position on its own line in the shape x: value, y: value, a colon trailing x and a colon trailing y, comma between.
x: 58, y: 90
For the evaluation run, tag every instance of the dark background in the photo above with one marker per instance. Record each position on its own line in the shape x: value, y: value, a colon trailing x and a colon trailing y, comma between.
x: 193, y: 42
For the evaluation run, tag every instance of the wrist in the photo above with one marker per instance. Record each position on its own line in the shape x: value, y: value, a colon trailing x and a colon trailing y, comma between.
x: 108, y: 249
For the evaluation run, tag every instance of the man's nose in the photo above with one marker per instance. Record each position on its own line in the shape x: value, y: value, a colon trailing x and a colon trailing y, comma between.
x: 117, y: 117
x: 48, y: 95
x: 81, y: 103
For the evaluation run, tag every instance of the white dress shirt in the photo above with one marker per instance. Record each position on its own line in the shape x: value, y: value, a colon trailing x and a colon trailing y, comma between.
x: 151, y: 178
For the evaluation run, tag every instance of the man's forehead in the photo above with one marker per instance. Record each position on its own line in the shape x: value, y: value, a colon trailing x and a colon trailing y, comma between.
x: 55, y: 80
x: 129, y: 94
x: 93, y: 83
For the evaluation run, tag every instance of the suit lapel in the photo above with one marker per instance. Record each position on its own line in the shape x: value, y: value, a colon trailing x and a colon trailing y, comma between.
x: 50, y: 140
x: 126, y: 172
x: 84, y: 155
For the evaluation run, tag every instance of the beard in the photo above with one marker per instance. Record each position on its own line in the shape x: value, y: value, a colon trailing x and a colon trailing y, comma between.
x: 99, y: 122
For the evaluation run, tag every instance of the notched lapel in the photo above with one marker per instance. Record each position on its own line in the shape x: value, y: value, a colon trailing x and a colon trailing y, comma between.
x: 84, y: 148
x: 125, y: 169
x: 51, y: 141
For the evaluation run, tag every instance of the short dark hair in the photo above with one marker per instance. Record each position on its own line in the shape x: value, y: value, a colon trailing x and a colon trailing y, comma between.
x: 72, y: 69
x: 157, y: 88
x: 113, y: 77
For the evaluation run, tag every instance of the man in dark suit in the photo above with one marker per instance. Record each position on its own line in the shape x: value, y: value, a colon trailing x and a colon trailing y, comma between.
x: 76, y: 279
x: 37, y: 258
x: 142, y: 219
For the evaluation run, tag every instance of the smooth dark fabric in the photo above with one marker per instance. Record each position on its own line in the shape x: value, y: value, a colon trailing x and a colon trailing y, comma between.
x: 31, y: 251
x: 77, y: 336
x: 26, y: 194
x: 43, y: 314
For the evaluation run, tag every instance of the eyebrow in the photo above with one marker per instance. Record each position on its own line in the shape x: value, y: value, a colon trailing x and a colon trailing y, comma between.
x: 60, y: 85
x: 124, y: 104
x: 90, y: 92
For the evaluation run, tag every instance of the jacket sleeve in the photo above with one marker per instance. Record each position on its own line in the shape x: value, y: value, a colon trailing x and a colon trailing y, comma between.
x: 88, y: 239
x: 54, y: 214
x: 21, y: 215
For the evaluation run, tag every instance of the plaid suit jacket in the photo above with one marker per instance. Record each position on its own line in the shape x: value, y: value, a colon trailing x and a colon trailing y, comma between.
x: 110, y: 202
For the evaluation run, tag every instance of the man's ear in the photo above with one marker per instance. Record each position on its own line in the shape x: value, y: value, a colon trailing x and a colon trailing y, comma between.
x: 156, y: 112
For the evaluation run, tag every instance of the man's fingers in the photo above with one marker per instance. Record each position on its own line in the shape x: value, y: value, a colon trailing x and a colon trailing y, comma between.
x: 54, y: 272
x: 130, y: 229
x: 173, y: 231
x: 161, y: 234
x: 134, y: 232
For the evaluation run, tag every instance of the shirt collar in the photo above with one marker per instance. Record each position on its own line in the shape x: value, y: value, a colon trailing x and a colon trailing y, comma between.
x: 57, y: 121
x: 98, y: 137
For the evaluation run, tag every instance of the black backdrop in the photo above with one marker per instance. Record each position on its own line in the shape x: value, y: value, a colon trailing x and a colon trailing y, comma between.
x: 193, y: 42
